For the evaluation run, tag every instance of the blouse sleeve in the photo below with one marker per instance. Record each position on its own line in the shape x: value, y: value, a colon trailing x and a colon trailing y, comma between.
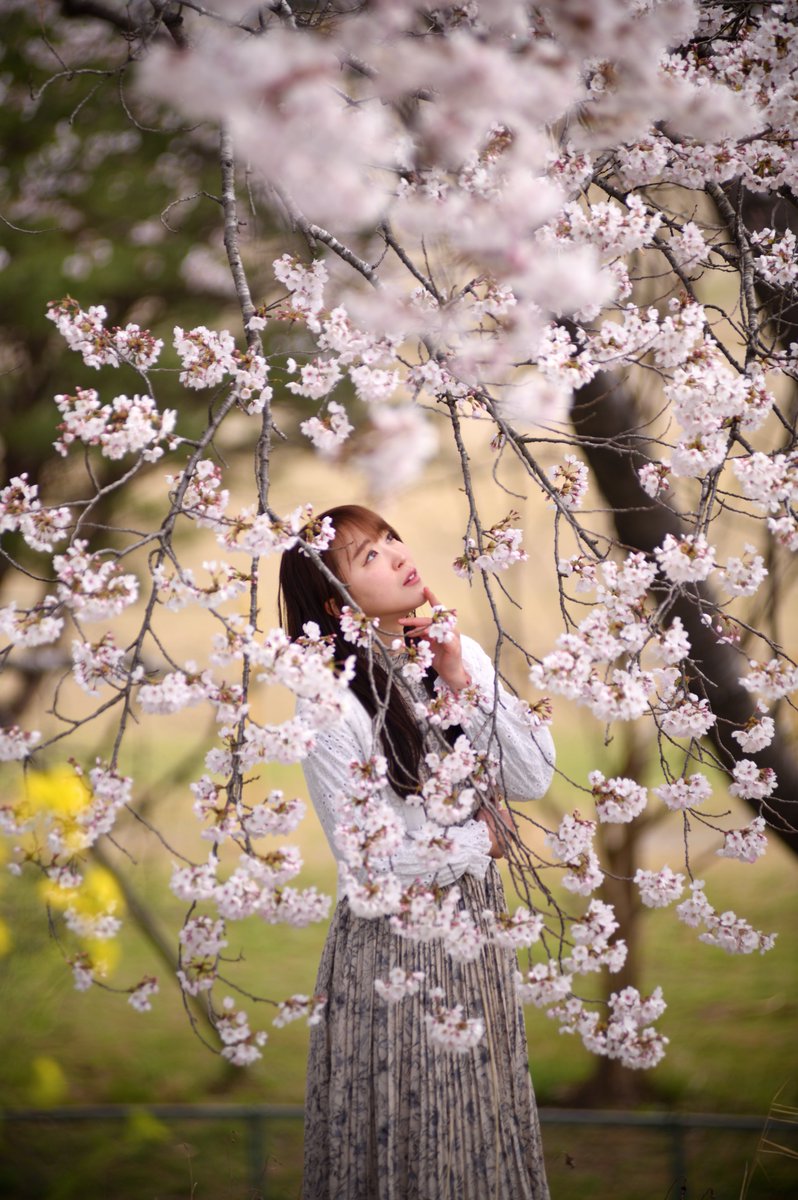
x: 526, y: 757
x: 327, y: 777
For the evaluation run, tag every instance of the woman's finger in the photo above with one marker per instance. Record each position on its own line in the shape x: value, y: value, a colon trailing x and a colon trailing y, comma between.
x: 416, y: 633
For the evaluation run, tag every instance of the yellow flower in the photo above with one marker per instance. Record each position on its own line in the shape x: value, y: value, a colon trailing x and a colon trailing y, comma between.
x: 48, y: 1085
x: 58, y: 797
x: 104, y: 955
x: 59, y: 791
x: 98, y: 893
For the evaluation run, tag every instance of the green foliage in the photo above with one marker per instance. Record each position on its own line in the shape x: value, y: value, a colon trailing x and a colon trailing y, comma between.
x: 88, y: 169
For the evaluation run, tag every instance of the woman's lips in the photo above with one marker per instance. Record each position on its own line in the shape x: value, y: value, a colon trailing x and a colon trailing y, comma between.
x: 412, y: 578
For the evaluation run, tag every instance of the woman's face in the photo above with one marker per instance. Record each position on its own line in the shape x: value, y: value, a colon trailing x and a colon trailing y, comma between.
x: 381, y: 577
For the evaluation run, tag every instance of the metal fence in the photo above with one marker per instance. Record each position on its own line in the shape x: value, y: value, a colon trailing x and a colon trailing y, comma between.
x: 255, y: 1120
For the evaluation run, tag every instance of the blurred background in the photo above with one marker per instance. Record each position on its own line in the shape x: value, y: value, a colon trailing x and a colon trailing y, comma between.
x: 82, y: 190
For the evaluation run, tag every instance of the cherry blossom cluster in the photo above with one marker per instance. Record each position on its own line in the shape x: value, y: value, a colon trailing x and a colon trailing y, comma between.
x: 592, y: 948
x: 204, y: 499
x: 180, y: 588
x: 660, y: 888
x: 746, y: 845
x: 543, y: 984
x: 277, y: 814
x: 442, y: 624
x: 93, y: 589
x: 254, y: 534
x: 450, y: 794
x: 399, y: 984
x: 240, y: 1045
x: 500, y: 548
x: 15, y: 744
x: 128, y: 425
x: 769, y: 480
x: 617, y: 800
x: 726, y: 930
x: 96, y: 926
x: 417, y: 659
x: 308, y: 669
x: 685, y: 793
x: 399, y: 439
x: 256, y: 887
x: 108, y: 793
x: 447, y: 708
x: 449, y: 1028
x: 65, y: 831
x: 294, y: 1008
x: 570, y: 480
x: 84, y: 332
x: 573, y: 845
x: 515, y: 931
x: 757, y: 732
x: 773, y: 680
x: 615, y: 231
x: 626, y: 1034
x: 97, y: 663
x: 183, y: 689
x: 209, y: 357
x: 356, y: 627
x: 21, y: 509
x: 141, y: 996
x: 688, y: 559
x: 751, y: 781
x: 201, y: 942
x: 206, y: 356
x: 36, y: 626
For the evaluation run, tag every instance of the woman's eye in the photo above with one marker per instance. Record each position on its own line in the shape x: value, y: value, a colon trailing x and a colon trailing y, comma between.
x: 371, y: 554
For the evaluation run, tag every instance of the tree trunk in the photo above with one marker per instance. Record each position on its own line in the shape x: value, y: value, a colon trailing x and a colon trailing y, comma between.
x: 604, y: 413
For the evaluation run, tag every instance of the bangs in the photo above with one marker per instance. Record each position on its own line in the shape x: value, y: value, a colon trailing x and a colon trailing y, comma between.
x: 352, y: 523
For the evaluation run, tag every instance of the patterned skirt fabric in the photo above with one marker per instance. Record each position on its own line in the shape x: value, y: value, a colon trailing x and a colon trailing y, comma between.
x: 389, y: 1116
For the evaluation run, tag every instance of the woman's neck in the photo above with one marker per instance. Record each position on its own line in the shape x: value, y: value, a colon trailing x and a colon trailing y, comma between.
x: 387, y: 637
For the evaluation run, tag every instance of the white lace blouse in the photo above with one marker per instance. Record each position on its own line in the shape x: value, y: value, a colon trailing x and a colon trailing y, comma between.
x: 526, y: 766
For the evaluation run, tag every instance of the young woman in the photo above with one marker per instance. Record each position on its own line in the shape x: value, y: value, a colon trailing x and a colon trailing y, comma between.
x: 389, y: 1115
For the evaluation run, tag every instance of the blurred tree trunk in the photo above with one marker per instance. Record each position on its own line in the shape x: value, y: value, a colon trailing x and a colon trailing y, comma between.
x: 605, y: 414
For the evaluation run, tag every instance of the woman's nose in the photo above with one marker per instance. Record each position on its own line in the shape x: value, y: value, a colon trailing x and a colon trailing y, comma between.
x: 399, y: 554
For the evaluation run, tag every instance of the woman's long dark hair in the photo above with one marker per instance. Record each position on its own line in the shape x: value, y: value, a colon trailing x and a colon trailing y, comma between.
x: 307, y: 595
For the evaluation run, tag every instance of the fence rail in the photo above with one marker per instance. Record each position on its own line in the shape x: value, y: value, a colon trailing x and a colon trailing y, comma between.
x: 256, y: 1118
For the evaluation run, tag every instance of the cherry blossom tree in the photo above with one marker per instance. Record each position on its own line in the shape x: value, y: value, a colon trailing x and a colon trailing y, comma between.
x: 529, y: 216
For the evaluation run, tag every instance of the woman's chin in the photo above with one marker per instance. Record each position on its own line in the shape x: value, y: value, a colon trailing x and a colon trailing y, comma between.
x: 416, y: 594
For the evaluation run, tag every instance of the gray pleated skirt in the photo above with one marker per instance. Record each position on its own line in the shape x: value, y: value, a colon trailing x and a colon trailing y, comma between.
x: 389, y: 1116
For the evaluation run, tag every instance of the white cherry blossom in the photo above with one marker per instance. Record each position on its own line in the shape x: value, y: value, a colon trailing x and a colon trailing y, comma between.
x: 618, y: 800
x: 757, y: 733
x: 660, y: 888
x: 752, y: 782
x: 685, y: 793
x: 450, y: 1029
x: 746, y: 845
x: 399, y: 984
x: 686, y: 560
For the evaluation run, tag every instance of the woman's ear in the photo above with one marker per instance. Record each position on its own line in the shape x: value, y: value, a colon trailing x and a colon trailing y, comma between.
x: 332, y: 607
